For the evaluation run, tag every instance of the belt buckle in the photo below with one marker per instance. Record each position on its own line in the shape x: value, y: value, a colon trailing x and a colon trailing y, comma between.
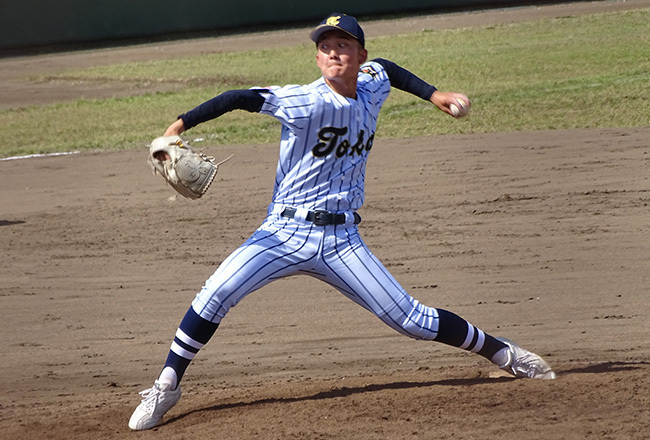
x: 322, y: 218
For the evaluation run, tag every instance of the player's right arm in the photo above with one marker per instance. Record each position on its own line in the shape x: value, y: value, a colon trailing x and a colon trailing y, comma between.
x: 250, y: 100
x: 176, y: 128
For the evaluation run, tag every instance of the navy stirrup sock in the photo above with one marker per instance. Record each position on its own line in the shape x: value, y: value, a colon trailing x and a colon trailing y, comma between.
x: 193, y: 333
x: 454, y: 330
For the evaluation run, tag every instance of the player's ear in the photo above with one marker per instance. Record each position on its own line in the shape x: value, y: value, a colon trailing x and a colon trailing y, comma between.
x: 363, y: 56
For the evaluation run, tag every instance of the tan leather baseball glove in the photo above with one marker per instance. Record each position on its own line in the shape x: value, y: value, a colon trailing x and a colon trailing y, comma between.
x: 188, y: 172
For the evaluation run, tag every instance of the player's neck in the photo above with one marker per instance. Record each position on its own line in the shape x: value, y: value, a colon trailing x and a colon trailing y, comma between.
x: 347, y: 89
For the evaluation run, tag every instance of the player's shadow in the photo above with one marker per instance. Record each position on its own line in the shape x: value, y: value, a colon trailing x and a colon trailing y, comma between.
x: 11, y: 222
x: 605, y: 367
x: 343, y: 392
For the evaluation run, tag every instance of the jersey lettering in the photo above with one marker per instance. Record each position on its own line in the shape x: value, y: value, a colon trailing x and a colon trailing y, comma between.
x: 330, y: 142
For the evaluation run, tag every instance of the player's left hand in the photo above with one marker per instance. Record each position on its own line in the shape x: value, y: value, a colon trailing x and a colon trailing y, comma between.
x: 445, y: 100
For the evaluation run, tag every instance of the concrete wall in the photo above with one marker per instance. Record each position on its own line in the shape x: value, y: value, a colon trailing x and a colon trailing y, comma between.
x: 33, y: 23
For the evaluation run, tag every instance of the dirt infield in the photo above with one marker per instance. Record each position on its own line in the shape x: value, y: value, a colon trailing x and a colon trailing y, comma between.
x: 538, y: 236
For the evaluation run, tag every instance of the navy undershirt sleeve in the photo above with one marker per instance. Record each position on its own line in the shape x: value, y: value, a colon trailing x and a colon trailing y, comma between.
x: 402, y: 79
x: 250, y: 100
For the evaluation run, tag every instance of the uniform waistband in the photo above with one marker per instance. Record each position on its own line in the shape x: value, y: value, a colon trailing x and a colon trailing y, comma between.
x: 316, y: 216
x: 321, y: 218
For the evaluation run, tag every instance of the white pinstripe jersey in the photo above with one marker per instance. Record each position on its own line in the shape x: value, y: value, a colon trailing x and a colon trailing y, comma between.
x: 326, y: 139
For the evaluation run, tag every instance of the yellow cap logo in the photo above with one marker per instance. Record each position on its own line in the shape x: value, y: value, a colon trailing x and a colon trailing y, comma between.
x: 333, y: 21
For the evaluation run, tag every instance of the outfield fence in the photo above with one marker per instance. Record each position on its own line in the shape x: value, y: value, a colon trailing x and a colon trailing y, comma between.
x: 30, y: 24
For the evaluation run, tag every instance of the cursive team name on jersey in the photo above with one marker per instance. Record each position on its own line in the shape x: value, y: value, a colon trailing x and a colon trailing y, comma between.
x: 329, y: 137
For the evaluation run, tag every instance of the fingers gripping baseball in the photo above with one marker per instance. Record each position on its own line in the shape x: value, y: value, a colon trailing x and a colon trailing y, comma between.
x: 452, y: 103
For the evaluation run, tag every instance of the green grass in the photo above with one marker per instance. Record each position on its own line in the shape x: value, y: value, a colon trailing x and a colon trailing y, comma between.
x: 573, y: 72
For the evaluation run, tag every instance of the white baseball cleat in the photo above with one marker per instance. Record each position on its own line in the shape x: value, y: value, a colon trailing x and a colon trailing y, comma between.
x: 523, y: 363
x: 156, y: 401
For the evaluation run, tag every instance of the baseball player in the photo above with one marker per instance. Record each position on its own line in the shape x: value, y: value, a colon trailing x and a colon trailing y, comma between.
x: 311, y: 226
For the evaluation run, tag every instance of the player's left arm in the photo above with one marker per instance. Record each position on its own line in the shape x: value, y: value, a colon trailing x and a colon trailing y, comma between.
x: 402, y: 79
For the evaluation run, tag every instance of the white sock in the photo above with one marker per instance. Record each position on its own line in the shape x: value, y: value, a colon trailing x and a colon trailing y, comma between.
x: 501, y: 357
x: 168, y: 375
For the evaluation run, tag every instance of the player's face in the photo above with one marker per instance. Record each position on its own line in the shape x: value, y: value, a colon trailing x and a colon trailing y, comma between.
x: 339, y: 56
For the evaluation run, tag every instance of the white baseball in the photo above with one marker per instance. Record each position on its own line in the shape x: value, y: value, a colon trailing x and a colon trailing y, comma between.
x: 460, y: 110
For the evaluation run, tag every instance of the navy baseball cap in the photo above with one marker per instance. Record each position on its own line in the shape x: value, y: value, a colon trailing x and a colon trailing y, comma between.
x: 339, y: 22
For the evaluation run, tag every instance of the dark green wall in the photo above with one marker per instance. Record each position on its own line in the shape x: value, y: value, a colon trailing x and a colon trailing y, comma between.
x: 32, y: 23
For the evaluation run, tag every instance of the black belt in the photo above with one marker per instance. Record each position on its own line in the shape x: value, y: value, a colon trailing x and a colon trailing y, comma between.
x: 321, y: 218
